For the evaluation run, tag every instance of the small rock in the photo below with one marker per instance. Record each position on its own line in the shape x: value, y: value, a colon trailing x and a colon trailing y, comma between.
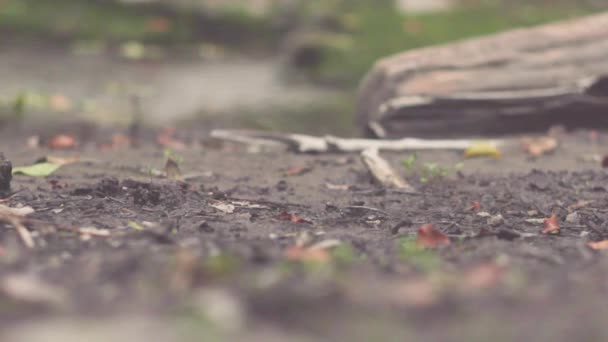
x: 496, y: 220
x: 573, y: 218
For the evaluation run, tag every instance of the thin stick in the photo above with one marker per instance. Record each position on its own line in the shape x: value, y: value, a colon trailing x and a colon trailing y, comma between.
x: 382, y: 172
x: 313, y: 144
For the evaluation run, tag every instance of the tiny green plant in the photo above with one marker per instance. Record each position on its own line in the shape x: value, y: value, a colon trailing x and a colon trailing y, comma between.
x: 410, y: 161
x: 429, y: 171
x: 170, y: 154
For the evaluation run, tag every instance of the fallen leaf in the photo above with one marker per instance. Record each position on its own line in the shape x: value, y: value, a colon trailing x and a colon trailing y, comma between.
x: 172, y: 170
x: 297, y: 171
x: 285, y: 216
x: 62, y: 142
x: 226, y: 208
x: 166, y: 138
x: 60, y: 103
x: 551, y: 225
x: 475, y: 206
x: 538, y: 146
x: 430, y: 237
x: 135, y: 225
x: 598, y: 245
x: 482, y: 149
x: 37, y: 170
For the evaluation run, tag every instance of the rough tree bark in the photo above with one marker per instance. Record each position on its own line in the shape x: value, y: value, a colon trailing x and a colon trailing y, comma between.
x: 521, y: 80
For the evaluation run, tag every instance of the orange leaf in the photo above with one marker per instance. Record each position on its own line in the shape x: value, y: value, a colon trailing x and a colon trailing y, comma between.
x: 598, y: 245
x: 430, y: 237
x: 63, y: 141
x: 551, y: 225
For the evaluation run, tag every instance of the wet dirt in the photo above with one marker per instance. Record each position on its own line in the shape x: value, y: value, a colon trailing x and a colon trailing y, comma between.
x: 226, y: 254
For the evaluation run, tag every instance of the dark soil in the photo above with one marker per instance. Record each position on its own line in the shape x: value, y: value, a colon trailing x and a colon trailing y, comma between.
x: 207, y: 258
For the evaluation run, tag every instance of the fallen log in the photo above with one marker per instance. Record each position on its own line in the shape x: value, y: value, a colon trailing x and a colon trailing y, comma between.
x: 523, y: 80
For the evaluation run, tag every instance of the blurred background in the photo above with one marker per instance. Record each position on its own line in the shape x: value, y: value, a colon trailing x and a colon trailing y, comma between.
x: 269, y: 64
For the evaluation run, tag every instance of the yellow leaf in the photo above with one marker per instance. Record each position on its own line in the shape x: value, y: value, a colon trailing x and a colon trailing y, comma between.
x: 482, y: 149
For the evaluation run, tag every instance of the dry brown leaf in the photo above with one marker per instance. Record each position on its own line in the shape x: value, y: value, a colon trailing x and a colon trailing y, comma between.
x: 539, y: 146
x: 430, y: 237
x: 551, y: 225
x: 598, y: 245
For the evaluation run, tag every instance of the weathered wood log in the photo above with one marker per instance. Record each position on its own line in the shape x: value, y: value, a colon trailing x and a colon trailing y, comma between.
x: 521, y: 80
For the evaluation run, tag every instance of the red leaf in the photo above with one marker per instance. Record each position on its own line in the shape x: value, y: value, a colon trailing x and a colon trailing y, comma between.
x: 475, y: 206
x: 285, y: 216
x: 551, y: 225
x: 430, y: 237
x: 63, y: 141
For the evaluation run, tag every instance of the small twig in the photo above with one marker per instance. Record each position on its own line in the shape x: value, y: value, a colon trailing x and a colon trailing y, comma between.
x: 382, y: 172
x: 23, y: 232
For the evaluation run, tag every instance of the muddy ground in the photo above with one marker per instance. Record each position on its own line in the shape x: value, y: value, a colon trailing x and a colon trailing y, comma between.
x: 226, y: 254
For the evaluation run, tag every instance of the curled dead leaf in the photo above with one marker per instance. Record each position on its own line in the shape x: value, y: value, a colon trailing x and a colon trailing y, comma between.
x: 430, y: 237
x: 538, y: 146
x: 551, y: 225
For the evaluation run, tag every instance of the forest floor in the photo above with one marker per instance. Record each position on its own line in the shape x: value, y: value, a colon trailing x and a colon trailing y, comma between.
x: 274, y: 245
